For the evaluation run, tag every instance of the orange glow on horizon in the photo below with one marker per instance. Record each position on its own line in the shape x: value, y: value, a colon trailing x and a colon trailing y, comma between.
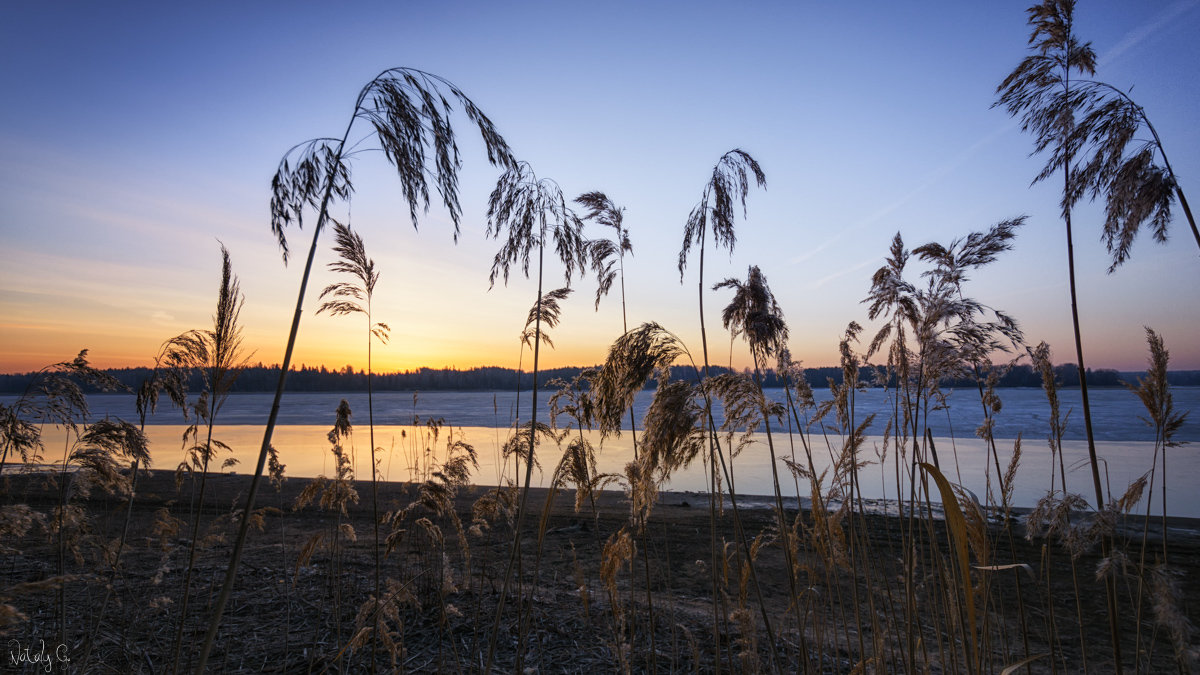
x: 45, y: 348
x: 26, y: 348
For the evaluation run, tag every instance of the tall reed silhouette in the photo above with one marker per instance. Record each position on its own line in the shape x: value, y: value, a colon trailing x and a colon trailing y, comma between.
x: 933, y: 332
x: 334, y: 494
x: 1155, y: 394
x: 1040, y: 90
x: 728, y: 185
x: 674, y: 434
x: 56, y: 395
x: 355, y: 298
x: 219, y: 356
x: 604, y: 254
x: 409, y: 112
x: 533, y: 214
x: 755, y: 314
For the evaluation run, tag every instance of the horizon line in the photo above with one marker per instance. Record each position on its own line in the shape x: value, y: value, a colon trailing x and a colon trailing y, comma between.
x: 342, y: 369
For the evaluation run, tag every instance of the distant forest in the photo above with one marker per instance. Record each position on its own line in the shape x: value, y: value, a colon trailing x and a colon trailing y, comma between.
x: 263, y: 378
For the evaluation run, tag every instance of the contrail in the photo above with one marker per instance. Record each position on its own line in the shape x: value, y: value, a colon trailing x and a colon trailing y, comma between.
x: 1138, y: 35
x: 1132, y: 39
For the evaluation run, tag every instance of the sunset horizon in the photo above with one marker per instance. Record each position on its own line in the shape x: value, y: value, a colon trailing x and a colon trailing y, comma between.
x: 113, y: 221
x: 527, y: 368
x: 848, y: 337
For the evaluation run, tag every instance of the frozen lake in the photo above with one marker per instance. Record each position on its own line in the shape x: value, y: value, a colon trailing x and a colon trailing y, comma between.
x: 1117, y: 413
x: 1124, y: 441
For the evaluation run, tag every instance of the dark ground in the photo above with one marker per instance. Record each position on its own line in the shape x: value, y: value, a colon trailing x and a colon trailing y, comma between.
x: 294, y: 615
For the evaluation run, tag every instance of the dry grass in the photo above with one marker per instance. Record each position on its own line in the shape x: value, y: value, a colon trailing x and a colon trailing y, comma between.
x: 293, y: 631
x: 620, y: 580
x: 949, y: 583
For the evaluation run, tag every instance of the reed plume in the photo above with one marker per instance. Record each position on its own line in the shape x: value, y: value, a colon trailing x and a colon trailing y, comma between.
x: 755, y: 314
x: 631, y: 361
x: 1154, y: 392
x: 347, y: 298
x: 535, y: 215
x: 1125, y: 170
x: 728, y: 185
x: 607, y: 256
x: 409, y: 113
x: 604, y: 254
x: 574, y: 400
x: 218, y: 354
x: 1040, y: 91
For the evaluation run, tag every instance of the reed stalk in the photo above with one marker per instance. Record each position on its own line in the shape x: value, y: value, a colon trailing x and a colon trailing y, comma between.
x: 535, y: 214
x: 219, y: 354
x: 1040, y: 91
x: 321, y: 173
x: 355, y: 297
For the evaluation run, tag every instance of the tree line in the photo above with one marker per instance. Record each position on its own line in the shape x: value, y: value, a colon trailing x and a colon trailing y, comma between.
x: 260, y: 377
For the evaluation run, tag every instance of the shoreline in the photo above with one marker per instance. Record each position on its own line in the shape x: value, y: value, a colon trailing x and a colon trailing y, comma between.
x: 616, y: 500
x: 297, y: 598
x: 413, y: 451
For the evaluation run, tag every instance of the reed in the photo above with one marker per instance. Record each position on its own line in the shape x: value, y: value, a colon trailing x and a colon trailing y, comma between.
x: 1040, y: 91
x: 219, y: 356
x: 926, y: 586
x: 347, y: 298
x: 601, y: 253
x: 728, y: 185
x: 333, y: 494
x: 535, y: 215
x: 754, y: 313
x: 1155, y: 395
x: 168, y: 376
x: 416, y: 525
x: 409, y: 113
x: 1122, y: 168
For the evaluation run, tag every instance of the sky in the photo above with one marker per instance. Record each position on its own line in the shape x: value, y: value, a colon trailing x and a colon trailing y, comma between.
x: 136, y: 138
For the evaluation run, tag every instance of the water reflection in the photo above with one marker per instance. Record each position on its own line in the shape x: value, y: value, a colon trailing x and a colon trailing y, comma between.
x: 410, y: 452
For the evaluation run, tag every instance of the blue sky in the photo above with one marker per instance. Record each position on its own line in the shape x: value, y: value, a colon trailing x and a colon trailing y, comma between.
x: 137, y: 135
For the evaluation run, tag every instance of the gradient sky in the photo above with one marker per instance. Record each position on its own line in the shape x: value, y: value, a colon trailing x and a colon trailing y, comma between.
x: 136, y: 136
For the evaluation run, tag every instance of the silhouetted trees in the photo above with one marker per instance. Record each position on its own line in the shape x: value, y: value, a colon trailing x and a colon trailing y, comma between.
x: 260, y: 378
